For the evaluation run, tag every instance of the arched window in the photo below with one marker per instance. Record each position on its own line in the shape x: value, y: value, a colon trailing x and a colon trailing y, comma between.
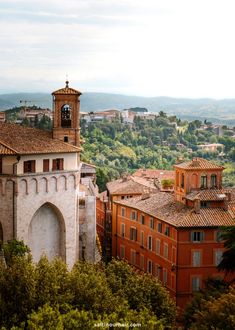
x: 66, y: 115
x: 213, y: 180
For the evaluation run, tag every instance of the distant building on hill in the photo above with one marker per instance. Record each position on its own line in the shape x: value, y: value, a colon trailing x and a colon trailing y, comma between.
x: 34, y: 115
x: 176, y: 236
x: 2, y: 116
x: 212, y: 147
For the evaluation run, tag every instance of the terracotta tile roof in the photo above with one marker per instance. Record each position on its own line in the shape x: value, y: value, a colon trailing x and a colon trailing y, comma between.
x: 155, y: 174
x: 129, y: 185
x: 163, y: 206
x: 198, y: 164
x: 208, y: 194
x: 16, y: 139
x: 4, y: 150
x: 67, y: 90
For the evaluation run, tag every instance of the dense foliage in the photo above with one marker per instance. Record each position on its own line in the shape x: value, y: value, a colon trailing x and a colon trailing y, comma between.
x: 216, y: 312
x: 116, y: 147
x: 228, y: 260
x: 49, y: 296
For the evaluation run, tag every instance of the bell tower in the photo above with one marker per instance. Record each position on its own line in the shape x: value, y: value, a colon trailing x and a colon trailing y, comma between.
x: 66, y: 107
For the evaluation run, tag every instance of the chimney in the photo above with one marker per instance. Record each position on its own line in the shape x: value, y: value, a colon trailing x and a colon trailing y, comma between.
x: 145, y: 194
x: 225, y: 204
x: 179, y: 160
x: 195, y: 162
x: 228, y: 194
x: 197, y: 205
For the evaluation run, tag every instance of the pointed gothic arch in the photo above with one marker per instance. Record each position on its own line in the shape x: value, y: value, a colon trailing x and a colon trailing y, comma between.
x: 46, y: 233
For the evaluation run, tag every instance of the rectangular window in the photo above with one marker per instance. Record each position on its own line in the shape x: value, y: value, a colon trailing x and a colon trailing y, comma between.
x: 150, y: 267
x: 141, y: 261
x: 204, y: 204
x: 133, y: 215
x: 158, y: 271
x: 29, y: 166
x: 197, y: 236
x: 167, y: 231
x: 213, y: 180
x: 122, y: 252
x: 46, y: 163
x: 133, y: 234
x: 218, y: 257
x: 158, y: 246
x: 142, y: 219
x: 151, y: 223
x: 164, y: 279
x: 123, y: 211
x: 58, y: 164
x: 182, y: 180
x: 122, y: 229
x: 203, y: 181
x: 165, y: 251
x: 142, y: 238
x: 196, y: 258
x: 218, y: 236
x: 159, y: 227
x: 133, y: 257
x: 150, y: 243
x: 195, y: 283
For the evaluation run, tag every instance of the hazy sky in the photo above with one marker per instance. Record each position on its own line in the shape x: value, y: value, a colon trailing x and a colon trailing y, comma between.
x: 183, y: 48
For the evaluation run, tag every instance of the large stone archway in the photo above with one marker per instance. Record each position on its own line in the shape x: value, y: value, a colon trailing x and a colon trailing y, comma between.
x: 47, y: 233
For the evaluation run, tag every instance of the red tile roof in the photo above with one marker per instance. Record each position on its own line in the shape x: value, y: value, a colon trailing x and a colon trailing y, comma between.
x: 155, y: 174
x: 16, y: 139
x: 67, y: 90
x: 163, y: 206
x: 129, y: 186
x: 208, y: 194
x: 198, y: 164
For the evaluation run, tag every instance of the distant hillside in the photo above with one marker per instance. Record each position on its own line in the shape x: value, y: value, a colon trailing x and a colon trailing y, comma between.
x: 217, y: 111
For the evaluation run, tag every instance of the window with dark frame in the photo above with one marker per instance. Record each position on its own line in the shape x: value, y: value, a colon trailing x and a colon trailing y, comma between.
x: 213, y: 180
x: 203, y: 181
x: 133, y: 234
x: 29, y: 166
x: 46, y: 163
x: 142, y: 219
x: 58, y: 164
x: 159, y: 227
x: 197, y: 236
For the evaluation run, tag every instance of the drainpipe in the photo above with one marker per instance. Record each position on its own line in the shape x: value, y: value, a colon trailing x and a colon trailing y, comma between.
x: 14, y: 199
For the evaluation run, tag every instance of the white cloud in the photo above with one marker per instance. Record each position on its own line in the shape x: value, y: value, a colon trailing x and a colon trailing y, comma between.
x: 151, y: 47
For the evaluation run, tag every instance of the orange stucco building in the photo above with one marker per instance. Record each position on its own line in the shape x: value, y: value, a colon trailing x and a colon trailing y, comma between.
x: 176, y: 236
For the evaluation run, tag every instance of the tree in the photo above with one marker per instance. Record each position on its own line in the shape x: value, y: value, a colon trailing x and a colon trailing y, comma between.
x: 14, y: 248
x: 141, y: 291
x: 17, y: 287
x: 228, y: 259
x: 214, y: 288
x: 216, y: 314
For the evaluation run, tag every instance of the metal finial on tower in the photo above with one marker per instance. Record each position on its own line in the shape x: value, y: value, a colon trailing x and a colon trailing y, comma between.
x: 67, y: 82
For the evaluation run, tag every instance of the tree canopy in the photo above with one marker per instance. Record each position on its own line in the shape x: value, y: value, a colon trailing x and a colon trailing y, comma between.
x: 47, y: 295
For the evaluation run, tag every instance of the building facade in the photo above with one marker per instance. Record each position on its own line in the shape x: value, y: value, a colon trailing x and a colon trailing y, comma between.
x: 176, y: 236
x: 39, y: 185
